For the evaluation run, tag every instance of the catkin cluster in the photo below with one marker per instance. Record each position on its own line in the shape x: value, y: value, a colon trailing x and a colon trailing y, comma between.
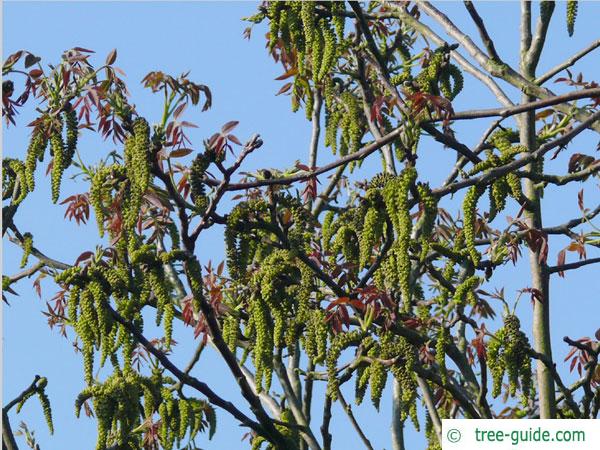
x: 14, y: 180
x: 469, y: 219
x: 339, y: 343
x: 39, y: 389
x: 344, y: 118
x: 429, y: 207
x: 197, y: 172
x: 314, y: 39
x: 123, y: 401
x: 373, y: 226
x: 88, y: 304
x: 138, y: 165
x: 314, y: 339
x: 507, y: 353
x: 438, y: 75
x: 240, y: 242
x: 397, y: 265
x: 35, y: 154
x: 465, y: 291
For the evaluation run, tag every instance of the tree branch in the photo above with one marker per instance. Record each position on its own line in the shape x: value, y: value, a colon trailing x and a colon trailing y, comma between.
x: 574, y: 265
x: 560, y: 180
x: 325, y: 425
x: 532, y: 56
x: 431, y: 409
x: 348, y: 410
x: 483, y: 33
x: 294, y: 404
x: 568, y: 63
x: 518, y: 109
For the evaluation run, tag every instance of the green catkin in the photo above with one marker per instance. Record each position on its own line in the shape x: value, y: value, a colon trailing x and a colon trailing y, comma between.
x: 571, y: 16
x: 71, y: 135
x: 96, y: 198
x: 37, y: 147
x: 318, y: 45
x: 329, y: 51
x: 315, y: 340
x: 169, y: 314
x: 498, y: 192
x: 464, y: 289
x: 45, y: 402
x: 346, y: 241
x: 338, y: 19
x: 457, y: 77
x: 443, y: 339
x: 18, y: 168
x: 377, y: 378
x: 494, y: 360
x: 284, y: 32
x: 58, y: 166
x: 73, y: 304
x: 185, y: 411
x: 371, y: 234
x: 274, y: 11
x: 351, y: 124
x: 264, y: 346
x: 429, y: 203
x: 197, y: 171
x: 340, y: 342
x: 507, y: 352
x: 141, y: 153
x: 470, y: 216
x: 27, y: 248
x: 363, y: 374
x: 395, y: 195
x: 327, y: 230
x: 308, y: 22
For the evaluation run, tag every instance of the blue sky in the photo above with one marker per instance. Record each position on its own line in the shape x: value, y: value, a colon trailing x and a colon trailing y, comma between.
x: 206, y: 38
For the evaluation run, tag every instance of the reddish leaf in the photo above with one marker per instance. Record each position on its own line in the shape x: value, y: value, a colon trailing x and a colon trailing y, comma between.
x: 35, y: 73
x: 229, y: 127
x: 83, y: 257
x: 85, y: 50
x: 290, y: 73
x: 181, y: 152
x: 286, y: 87
x: 111, y: 58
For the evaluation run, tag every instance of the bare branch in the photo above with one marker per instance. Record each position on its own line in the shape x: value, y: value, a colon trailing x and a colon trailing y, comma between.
x: 348, y: 410
x: 563, y: 389
x: 560, y: 180
x: 431, y: 409
x: 294, y: 404
x: 485, y: 37
x: 325, y: 425
x: 511, y: 111
x: 568, y: 63
x: 574, y: 265
x: 535, y: 49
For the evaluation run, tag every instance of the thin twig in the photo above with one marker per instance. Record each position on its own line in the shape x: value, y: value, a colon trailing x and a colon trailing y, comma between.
x: 483, y: 33
x: 325, y: 424
x: 568, y: 63
x: 574, y: 265
x: 348, y: 410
